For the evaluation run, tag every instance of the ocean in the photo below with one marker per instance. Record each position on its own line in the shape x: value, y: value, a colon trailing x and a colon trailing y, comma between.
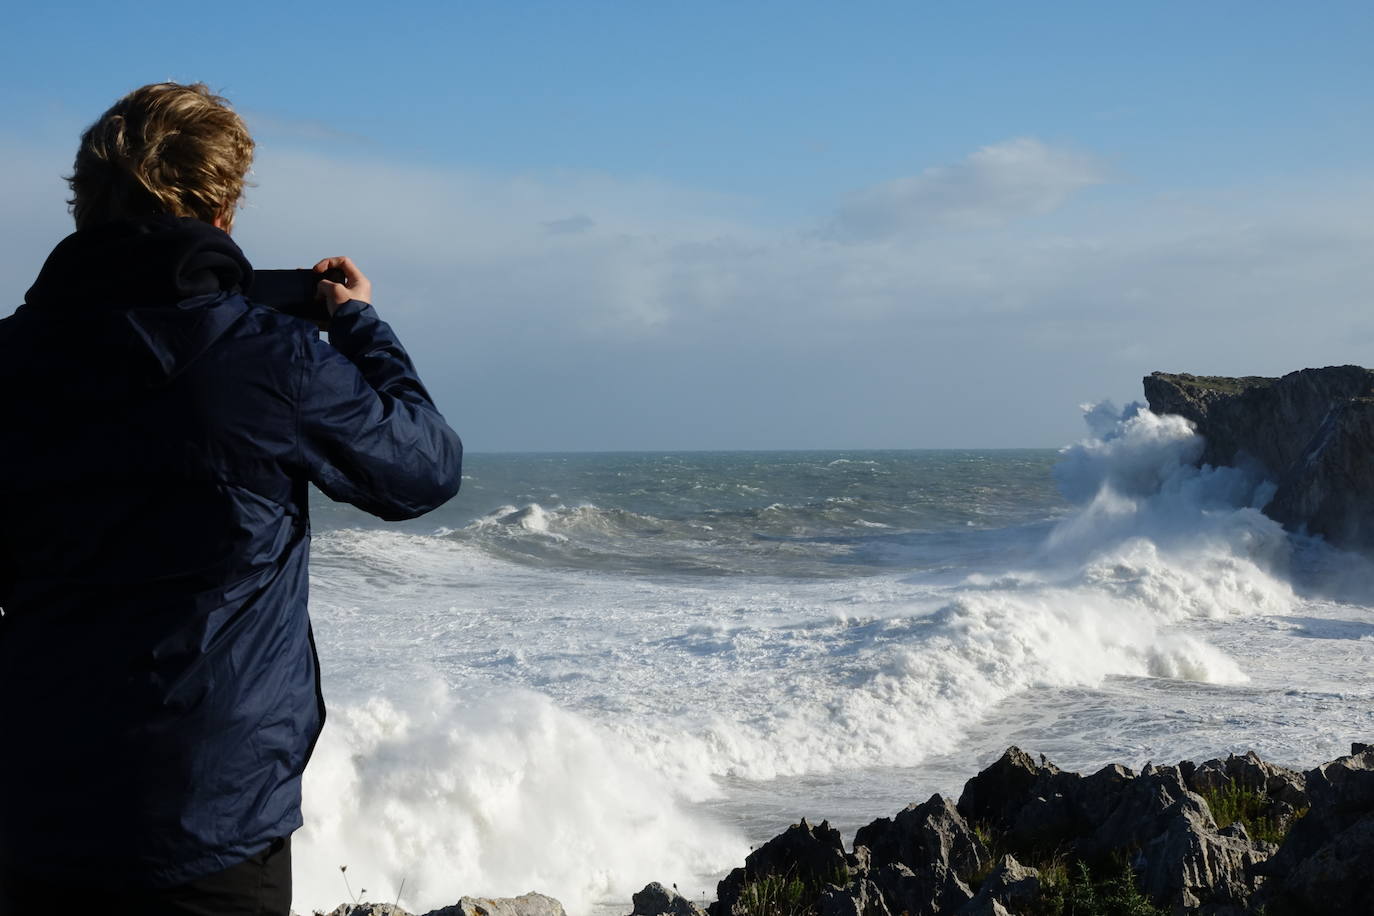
x: 593, y: 671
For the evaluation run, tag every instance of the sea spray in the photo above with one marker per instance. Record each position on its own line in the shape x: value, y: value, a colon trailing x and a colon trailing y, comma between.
x: 490, y: 794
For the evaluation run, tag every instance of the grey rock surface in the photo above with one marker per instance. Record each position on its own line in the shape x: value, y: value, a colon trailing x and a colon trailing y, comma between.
x: 1250, y: 772
x: 657, y: 900
x: 811, y: 853
x: 997, y: 794
x: 1335, y: 876
x: 1145, y: 808
x: 1190, y: 863
x: 860, y: 898
x: 1010, y: 885
x: 928, y: 892
x: 1324, y: 862
x: 923, y: 835
x: 530, y: 904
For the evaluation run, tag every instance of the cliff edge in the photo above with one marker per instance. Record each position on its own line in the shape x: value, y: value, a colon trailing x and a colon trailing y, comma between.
x: 1311, y: 432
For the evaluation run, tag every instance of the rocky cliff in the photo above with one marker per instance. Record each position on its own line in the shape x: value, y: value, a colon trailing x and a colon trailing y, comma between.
x: 1311, y: 432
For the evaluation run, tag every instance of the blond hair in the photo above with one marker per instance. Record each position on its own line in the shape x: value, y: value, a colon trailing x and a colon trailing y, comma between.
x: 164, y: 148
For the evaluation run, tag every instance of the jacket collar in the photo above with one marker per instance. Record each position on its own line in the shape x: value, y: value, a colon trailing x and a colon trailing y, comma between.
x: 158, y: 261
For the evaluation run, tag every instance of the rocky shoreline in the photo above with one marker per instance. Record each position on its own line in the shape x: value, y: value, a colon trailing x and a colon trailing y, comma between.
x: 1232, y: 837
x: 1229, y: 837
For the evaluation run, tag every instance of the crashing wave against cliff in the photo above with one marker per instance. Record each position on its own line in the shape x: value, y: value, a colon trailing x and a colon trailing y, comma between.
x: 1311, y: 432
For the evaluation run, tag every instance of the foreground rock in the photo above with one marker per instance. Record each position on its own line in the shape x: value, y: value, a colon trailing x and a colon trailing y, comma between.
x: 525, y: 905
x: 1311, y: 432
x: 1324, y: 863
x: 657, y: 900
x: 810, y: 855
x: 1028, y: 838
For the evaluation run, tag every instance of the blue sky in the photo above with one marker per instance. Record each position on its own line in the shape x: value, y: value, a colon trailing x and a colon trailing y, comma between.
x: 771, y: 225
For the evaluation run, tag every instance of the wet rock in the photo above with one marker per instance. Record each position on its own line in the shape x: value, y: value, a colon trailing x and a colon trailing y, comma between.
x: 657, y: 900
x: 922, y: 836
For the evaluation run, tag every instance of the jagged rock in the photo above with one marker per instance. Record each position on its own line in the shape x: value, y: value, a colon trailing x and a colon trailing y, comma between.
x: 1190, y: 863
x: 812, y: 854
x: 917, y: 862
x: 1324, y: 861
x: 530, y: 904
x: 1335, y: 877
x: 1099, y: 795
x: 1249, y: 772
x: 1345, y: 785
x: 861, y: 897
x: 1048, y: 820
x: 932, y: 891
x: 1310, y: 431
x: 1144, y: 809
x: 997, y: 794
x: 368, y: 909
x: 1041, y: 807
x: 1341, y: 792
x: 657, y: 900
x: 923, y: 835
x: 1009, y: 885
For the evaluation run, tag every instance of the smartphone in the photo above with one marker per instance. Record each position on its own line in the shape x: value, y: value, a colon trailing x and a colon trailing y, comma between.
x: 292, y: 291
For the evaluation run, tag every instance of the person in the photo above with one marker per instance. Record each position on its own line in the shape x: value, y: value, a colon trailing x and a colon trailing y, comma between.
x: 159, y: 684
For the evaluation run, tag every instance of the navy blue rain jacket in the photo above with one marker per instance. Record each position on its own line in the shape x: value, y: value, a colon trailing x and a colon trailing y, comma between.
x: 159, y: 688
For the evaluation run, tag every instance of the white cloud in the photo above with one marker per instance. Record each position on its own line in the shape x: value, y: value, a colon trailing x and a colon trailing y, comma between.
x: 675, y: 318
x: 992, y: 186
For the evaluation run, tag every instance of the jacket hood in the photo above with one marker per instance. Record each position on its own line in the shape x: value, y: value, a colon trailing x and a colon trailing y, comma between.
x: 160, y: 289
x: 161, y: 260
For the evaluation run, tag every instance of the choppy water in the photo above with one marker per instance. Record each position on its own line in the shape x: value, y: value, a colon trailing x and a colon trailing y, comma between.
x: 594, y: 671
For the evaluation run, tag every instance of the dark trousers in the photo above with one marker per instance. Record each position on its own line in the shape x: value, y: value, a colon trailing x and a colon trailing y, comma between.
x: 261, y: 886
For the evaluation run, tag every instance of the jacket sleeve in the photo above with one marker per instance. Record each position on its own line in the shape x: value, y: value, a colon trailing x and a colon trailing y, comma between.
x: 369, y: 433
